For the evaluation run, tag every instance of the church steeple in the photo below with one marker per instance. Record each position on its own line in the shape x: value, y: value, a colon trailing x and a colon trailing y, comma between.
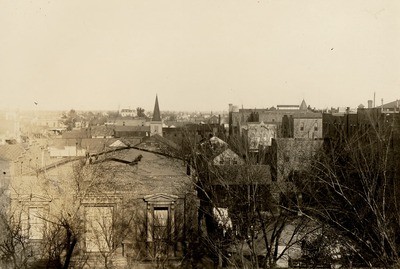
x: 156, y: 122
x: 156, y: 112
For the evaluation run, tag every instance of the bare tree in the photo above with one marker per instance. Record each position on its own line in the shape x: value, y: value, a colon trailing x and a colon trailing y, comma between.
x: 353, y: 189
x: 262, y: 222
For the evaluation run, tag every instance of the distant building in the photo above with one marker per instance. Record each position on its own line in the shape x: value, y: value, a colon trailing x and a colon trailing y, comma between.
x: 126, y: 112
x: 291, y: 155
x: 240, y: 117
x: 302, y: 125
x: 129, y: 121
x: 259, y: 135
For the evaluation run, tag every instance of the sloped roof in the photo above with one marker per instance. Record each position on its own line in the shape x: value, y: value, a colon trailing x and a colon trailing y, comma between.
x: 159, y: 144
x: 217, y: 141
x: 118, y: 144
x: 61, y: 143
x: 81, y: 133
x: 97, y: 145
x: 132, y: 128
x: 394, y: 104
x: 154, y: 174
x: 102, y: 131
x: 11, y: 152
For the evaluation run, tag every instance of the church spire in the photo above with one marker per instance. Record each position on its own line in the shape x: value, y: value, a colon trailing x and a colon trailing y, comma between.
x: 156, y: 112
x: 303, y: 105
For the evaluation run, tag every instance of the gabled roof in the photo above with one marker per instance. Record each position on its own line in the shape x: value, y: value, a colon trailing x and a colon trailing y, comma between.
x: 118, y: 144
x: 156, y: 112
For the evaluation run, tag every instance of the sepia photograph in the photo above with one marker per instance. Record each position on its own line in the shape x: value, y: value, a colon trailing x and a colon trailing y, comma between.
x: 199, y: 134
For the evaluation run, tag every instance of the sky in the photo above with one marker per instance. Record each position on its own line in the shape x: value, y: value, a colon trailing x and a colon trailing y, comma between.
x: 197, y: 54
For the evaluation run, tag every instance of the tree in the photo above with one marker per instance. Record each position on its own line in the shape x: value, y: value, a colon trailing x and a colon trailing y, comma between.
x: 14, y: 248
x: 140, y: 112
x: 248, y: 220
x: 352, y: 188
x: 70, y: 119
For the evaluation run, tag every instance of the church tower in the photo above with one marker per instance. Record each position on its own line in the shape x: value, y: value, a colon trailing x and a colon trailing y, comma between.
x: 156, y: 122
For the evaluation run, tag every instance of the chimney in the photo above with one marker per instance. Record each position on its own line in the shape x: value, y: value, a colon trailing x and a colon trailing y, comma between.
x: 369, y: 103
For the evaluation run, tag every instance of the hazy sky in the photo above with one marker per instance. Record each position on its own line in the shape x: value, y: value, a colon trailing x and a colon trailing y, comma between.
x: 197, y: 55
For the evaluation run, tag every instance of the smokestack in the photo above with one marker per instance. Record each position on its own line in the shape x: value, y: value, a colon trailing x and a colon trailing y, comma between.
x: 369, y: 103
x: 374, y: 99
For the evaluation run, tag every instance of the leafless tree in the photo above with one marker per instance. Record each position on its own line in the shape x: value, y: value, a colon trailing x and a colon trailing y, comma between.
x: 353, y: 189
x: 262, y: 222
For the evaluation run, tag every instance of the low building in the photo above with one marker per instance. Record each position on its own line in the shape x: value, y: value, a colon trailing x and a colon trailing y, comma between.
x: 125, y: 208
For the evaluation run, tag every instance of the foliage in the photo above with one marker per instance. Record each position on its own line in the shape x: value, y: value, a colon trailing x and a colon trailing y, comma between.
x: 69, y: 119
x: 140, y: 112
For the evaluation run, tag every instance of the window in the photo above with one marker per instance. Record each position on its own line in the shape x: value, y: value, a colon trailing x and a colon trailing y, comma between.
x: 301, y: 126
x: 316, y: 126
x: 98, y: 228
x: 36, y: 223
x: 160, y: 223
x: 160, y: 217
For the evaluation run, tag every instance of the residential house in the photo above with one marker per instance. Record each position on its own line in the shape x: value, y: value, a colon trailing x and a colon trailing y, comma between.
x: 125, y: 208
